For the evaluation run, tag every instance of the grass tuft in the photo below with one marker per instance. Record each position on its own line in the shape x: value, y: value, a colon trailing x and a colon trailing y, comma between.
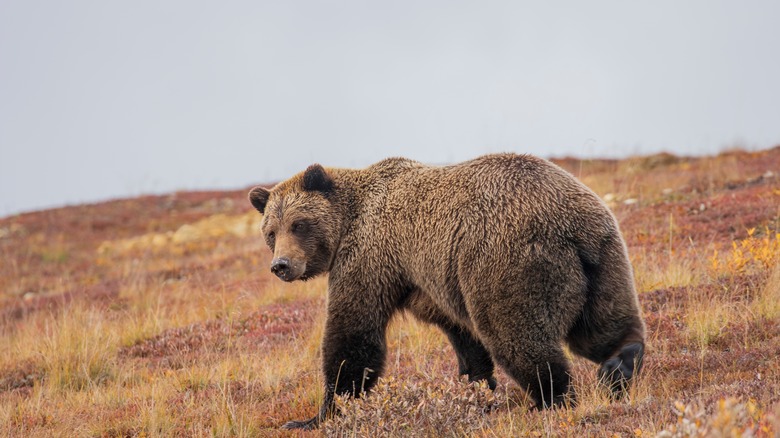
x: 77, y: 352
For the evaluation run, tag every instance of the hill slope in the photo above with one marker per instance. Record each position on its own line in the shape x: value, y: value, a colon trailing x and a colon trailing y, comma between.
x: 158, y: 316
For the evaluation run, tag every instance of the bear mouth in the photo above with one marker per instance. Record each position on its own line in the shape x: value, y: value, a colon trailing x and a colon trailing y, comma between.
x: 288, y: 277
x: 302, y: 277
x: 290, y: 271
x: 295, y: 274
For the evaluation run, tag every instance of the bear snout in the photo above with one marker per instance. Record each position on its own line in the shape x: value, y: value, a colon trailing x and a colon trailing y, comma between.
x: 281, y: 267
x: 285, y: 269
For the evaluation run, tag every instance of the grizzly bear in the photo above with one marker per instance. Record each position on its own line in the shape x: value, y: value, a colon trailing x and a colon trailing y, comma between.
x: 508, y: 254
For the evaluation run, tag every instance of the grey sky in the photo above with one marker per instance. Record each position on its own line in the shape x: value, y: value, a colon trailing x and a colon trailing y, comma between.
x: 102, y: 99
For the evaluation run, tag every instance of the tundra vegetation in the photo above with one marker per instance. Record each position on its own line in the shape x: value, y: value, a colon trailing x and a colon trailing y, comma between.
x: 159, y: 316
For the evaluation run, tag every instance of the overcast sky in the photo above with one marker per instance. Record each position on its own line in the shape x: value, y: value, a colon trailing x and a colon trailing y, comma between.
x: 103, y: 99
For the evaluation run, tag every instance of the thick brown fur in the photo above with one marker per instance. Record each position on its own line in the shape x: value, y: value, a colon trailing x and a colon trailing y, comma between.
x: 508, y: 254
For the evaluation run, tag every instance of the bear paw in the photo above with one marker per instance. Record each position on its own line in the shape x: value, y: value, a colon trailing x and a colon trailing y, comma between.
x: 618, y: 371
x: 310, y: 424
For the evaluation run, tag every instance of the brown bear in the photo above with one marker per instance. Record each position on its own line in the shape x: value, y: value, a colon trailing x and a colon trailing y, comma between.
x: 508, y: 254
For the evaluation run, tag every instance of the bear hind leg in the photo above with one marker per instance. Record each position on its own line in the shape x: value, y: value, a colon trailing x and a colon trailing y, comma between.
x: 610, y: 330
x: 523, y: 315
x: 618, y: 371
x: 530, y: 355
x: 619, y: 351
x: 545, y: 376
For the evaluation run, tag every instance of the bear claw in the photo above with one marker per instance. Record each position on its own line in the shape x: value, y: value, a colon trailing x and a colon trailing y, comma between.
x: 310, y: 424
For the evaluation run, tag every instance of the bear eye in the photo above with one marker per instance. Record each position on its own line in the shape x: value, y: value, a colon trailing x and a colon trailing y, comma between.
x: 298, y: 226
x: 271, y: 235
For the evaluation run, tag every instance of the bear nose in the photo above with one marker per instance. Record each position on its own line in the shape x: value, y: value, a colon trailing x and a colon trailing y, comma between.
x: 281, y: 267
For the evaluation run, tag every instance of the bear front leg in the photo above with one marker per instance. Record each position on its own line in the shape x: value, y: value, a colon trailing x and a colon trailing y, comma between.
x: 353, y: 356
x: 313, y: 423
x: 473, y: 359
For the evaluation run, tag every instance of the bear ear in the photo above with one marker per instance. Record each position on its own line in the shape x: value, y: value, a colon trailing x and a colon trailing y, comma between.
x: 258, y: 196
x: 315, y: 179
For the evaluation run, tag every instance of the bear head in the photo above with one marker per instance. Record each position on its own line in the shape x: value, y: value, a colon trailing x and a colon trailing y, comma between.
x: 300, y: 223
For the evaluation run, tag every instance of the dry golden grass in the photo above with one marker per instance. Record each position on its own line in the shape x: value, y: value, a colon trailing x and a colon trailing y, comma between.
x: 157, y: 316
x: 767, y: 304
